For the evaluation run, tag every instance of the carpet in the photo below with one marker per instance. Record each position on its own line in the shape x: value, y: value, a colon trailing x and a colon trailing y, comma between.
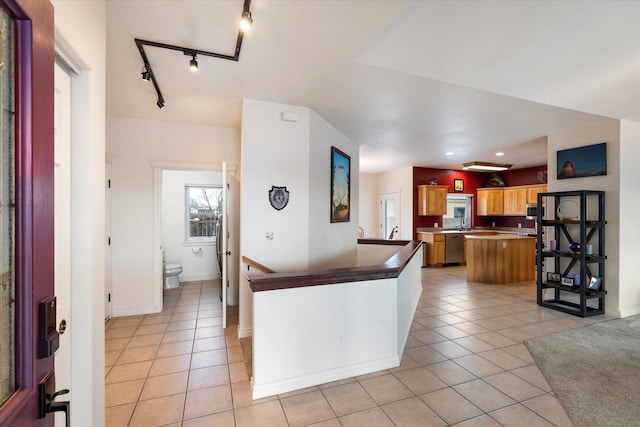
x: 594, y: 371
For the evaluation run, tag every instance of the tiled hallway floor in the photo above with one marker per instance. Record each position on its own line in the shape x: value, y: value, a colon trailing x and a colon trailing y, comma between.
x: 464, y: 365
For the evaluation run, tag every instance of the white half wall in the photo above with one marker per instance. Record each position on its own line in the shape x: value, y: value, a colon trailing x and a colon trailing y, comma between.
x: 135, y: 144
x: 198, y: 259
x: 80, y: 30
x: 316, y: 334
x: 609, y: 132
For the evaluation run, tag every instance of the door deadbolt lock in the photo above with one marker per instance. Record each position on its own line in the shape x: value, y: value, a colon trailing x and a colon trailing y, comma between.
x: 62, y: 327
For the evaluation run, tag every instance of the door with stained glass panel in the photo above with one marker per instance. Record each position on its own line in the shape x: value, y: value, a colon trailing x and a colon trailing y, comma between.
x: 26, y: 204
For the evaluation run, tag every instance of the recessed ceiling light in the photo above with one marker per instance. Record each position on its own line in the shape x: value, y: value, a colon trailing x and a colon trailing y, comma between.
x: 449, y: 153
x: 499, y: 153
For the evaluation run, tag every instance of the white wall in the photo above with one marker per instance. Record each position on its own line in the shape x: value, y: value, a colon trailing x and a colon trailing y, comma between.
x: 372, y: 254
x: 330, y: 245
x: 295, y: 154
x: 369, y: 208
x: 80, y: 29
x: 198, y: 259
x: 629, y: 276
x: 395, y: 181
x: 135, y: 144
x: 609, y: 132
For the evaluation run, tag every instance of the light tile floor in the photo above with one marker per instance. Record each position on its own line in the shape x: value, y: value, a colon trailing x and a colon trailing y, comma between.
x: 464, y: 365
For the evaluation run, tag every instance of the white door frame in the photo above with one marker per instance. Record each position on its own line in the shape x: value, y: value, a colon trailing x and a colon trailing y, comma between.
x: 62, y: 221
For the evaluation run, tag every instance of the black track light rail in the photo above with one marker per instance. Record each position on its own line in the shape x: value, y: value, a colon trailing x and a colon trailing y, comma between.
x: 187, y: 51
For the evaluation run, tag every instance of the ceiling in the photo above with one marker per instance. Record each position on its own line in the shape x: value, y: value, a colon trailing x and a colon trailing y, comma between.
x: 406, y: 81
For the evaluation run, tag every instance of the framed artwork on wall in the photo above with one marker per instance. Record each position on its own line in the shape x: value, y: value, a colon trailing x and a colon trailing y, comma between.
x: 581, y: 162
x: 340, y: 186
x: 458, y: 185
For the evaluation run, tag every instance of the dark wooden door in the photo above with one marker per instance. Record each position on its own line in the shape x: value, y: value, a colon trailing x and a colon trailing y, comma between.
x: 34, y: 220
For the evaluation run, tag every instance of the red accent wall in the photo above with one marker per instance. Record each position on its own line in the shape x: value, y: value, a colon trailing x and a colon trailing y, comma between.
x: 473, y: 181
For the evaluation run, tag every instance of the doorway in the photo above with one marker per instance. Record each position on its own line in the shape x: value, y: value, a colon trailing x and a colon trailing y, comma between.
x: 196, y: 248
x: 390, y: 215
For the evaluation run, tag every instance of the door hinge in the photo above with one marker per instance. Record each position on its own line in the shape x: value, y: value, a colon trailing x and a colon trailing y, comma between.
x: 109, y: 240
x: 109, y: 183
x: 109, y: 297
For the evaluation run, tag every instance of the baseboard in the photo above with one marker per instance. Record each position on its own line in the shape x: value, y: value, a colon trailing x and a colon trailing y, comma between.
x: 297, y: 383
x: 245, y: 332
x: 184, y: 279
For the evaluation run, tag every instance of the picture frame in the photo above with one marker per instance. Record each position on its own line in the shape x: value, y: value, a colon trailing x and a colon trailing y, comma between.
x: 567, y: 281
x: 458, y: 185
x: 581, y: 162
x: 594, y: 283
x: 340, y: 186
x: 553, y: 277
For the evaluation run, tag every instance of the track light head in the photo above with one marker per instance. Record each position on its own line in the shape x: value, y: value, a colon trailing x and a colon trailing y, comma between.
x: 193, y: 64
x: 160, y: 103
x: 145, y: 74
x: 246, y: 21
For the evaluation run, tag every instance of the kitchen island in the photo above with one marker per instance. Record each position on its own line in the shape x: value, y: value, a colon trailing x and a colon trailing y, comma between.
x: 500, y: 258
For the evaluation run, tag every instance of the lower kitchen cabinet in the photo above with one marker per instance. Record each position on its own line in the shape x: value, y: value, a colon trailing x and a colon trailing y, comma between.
x: 434, y: 249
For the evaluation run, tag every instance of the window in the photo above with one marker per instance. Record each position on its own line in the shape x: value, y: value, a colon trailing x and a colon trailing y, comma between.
x: 458, y: 211
x: 203, y: 208
x: 7, y: 211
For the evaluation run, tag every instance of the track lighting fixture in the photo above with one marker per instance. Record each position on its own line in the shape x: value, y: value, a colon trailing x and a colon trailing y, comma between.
x: 145, y: 74
x: 148, y: 74
x: 193, y: 64
x: 246, y: 21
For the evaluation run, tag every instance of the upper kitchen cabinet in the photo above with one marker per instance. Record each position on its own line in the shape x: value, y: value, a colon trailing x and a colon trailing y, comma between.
x: 533, y: 190
x: 515, y: 201
x: 432, y: 199
x: 490, y: 201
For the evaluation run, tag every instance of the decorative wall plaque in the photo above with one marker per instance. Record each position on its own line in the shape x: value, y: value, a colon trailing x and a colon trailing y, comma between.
x: 278, y: 197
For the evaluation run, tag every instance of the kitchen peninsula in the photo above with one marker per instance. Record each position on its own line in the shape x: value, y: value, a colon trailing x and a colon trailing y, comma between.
x: 500, y: 258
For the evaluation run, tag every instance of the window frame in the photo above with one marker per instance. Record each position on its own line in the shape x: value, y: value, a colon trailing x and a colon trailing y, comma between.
x: 188, y: 239
x: 468, y: 211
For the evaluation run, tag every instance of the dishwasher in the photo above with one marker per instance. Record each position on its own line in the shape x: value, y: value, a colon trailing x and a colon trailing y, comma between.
x: 453, y: 248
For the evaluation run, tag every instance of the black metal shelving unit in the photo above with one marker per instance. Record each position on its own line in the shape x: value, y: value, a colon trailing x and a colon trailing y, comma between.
x: 588, y: 228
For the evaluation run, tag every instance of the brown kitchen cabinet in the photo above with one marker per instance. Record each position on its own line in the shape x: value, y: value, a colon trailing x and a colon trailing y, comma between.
x: 490, y: 201
x: 533, y: 190
x: 432, y: 199
x: 515, y: 201
x: 434, y: 248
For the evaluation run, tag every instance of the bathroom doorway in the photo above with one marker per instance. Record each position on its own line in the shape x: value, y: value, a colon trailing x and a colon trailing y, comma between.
x: 184, y: 231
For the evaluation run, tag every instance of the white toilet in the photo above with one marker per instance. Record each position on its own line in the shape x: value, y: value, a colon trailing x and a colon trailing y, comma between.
x: 171, y: 272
